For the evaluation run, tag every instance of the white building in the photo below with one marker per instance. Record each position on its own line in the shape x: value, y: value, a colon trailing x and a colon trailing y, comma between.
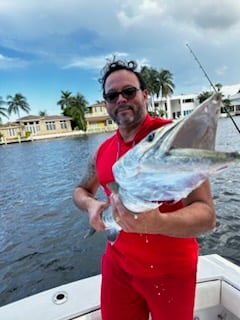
x: 176, y: 106
x: 235, y: 103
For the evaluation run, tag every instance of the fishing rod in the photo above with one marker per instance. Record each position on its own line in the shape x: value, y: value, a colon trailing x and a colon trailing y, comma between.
x: 214, y: 88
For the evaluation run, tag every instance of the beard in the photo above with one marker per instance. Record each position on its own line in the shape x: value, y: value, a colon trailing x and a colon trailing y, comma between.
x: 126, y: 115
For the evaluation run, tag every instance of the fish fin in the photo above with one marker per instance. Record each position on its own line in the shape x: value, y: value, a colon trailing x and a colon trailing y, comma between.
x: 112, y: 234
x: 91, y: 231
x: 114, y: 187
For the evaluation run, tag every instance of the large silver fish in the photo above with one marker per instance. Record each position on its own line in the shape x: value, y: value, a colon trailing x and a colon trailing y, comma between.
x: 170, y: 162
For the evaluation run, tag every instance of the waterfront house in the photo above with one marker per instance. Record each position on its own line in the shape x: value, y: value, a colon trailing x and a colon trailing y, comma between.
x: 32, y: 126
x: 175, y: 107
x: 98, y: 119
x: 178, y: 106
x: 235, y: 103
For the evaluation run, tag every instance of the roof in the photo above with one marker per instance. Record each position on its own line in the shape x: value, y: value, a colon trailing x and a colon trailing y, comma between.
x: 43, y: 118
x: 9, y: 125
x: 235, y: 96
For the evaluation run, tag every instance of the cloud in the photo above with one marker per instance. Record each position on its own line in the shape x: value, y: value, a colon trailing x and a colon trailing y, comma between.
x: 218, y: 15
x: 82, y: 34
x: 95, y: 62
x: 222, y: 70
x: 54, y: 30
x: 55, y: 17
x: 11, y: 63
x: 136, y: 12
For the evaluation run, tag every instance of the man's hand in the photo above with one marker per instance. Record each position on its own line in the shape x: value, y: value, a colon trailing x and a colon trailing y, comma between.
x: 143, y: 222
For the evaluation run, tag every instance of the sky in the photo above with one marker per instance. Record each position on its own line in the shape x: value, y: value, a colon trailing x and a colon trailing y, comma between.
x: 51, y: 46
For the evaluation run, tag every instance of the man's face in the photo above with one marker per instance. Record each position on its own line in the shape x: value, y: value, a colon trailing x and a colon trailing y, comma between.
x: 129, y: 107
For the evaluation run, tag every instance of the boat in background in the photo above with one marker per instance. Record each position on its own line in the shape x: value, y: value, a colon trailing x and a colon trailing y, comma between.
x: 217, y: 296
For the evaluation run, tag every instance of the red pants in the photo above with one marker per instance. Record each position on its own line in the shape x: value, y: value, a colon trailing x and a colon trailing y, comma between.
x: 125, y: 297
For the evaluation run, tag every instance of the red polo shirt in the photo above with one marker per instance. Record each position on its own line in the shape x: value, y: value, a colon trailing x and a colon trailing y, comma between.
x: 144, y: 254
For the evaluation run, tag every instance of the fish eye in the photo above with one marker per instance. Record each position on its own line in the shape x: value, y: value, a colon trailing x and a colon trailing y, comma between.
x: 150, y: 137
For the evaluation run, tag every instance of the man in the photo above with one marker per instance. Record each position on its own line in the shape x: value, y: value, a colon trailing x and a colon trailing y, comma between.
x: 151, y: 267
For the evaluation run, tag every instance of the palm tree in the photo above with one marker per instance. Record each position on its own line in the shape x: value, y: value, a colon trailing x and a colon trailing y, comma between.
x: 157, y: 83
x: 3, y: 111
x: 166, y: 84
x: 65, y: 99
x: 78, y: 109
x: 100, y: 101
x: 75, y: 107
x: 17, y: 103
x: 42, y: 113
x: 150, y: 77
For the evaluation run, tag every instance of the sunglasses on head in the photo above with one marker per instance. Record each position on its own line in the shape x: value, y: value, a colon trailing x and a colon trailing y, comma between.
x: 128, y: 93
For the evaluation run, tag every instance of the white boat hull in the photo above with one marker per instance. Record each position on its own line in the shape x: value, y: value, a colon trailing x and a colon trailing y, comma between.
x: 217, y: 296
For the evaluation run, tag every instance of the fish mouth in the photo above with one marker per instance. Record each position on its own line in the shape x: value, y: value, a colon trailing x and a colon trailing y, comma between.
x: 168, y: 163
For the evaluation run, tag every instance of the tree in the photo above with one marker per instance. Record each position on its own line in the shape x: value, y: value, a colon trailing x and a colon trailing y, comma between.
x: 150, y: 77
x: 166, y: 85
x: 157, y: 82
x: 78, y: 109
x: 100, y: 101
x: 65, y: 100
x: 204, y: 96
x: 3, y: 111
x: 74, y: 107
x: 17, y: 103
x: 42, y: 113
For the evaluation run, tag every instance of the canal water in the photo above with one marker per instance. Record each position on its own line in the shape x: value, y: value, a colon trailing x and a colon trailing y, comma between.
x: 42, y: 241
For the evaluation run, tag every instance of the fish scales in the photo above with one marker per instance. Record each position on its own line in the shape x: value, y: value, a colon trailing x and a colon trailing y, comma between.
x: 173, y: 160
x: 169, y: 163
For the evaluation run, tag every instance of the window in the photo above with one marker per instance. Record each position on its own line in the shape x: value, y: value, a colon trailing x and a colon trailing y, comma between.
x: 63, y: 124
x: 98, y: 109
x: 50, y: 125
x: 12, y: 132
x: 186, y: 112
x: 188, y: 100
x: 32, y: 128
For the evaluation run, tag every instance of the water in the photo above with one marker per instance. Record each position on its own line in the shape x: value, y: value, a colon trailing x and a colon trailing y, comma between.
x: 42, y: 241
x: 225, y: 240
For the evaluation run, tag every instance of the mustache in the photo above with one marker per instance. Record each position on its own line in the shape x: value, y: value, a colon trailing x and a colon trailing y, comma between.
x: 123, y: 107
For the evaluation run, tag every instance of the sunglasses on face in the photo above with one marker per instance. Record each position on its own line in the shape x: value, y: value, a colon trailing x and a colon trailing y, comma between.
x: 127, y: 93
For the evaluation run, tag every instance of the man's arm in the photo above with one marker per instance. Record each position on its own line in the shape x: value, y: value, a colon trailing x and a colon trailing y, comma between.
x: 197, y: 217
x: 84, y: 195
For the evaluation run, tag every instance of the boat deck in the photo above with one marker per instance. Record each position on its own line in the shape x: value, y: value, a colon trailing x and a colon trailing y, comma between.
x: 217, y: 296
